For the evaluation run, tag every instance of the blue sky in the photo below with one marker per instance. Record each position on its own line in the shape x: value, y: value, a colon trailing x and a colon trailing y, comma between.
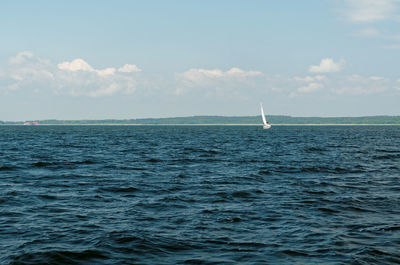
x: 137, y: 59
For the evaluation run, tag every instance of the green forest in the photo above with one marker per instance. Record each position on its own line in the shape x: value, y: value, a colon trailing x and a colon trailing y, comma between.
x: 224, y: 120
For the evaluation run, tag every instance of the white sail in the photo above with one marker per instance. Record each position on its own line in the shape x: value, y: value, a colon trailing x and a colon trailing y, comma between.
x: 263, y: 115
x: 265, y: 124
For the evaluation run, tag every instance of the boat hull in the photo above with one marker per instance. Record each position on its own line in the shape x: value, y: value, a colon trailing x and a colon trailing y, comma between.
x: 266, y: 126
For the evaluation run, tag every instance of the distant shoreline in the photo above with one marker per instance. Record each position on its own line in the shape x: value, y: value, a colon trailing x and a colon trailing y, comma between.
x: 194, y: 124
x: 276, y: 120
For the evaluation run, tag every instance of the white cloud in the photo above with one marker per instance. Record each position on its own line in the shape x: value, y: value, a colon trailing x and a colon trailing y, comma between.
x: 308, y: 89
x: 27, y: 72
x: 327, y: 65
x: 21, y: 57
x: 360, y: 90
x: 215, y: 79
x: 310, y: 78
x: 82, y: 65
x: 376, y: 78
x: 312, y: 87
x: 106, y: 91
x: 360, y: 85
x: 105, y: 72
x: 129, y: 68
x: 237, y: 72
x: 354, y: 78
x: 362, y: 11
x: 77, y: 78
x: 24, y: 69
x: 75, y: 65
x: 198, y: 75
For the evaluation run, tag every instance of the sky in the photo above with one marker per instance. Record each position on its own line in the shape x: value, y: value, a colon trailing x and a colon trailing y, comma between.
x: 141, y: 59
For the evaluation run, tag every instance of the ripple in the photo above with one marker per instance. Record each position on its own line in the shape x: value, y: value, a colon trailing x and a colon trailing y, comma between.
x: 8, y: 168
x: 205, y: 195
x: 59, y: 257
x: 387, y: 157
x: 120, y: 189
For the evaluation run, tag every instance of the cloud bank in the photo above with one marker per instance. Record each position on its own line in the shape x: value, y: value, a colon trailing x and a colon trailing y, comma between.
x: 76, y: 77
x: 199, y: 75
x: 215, y: 80
x: 28, y: 72
x: 367, y: 11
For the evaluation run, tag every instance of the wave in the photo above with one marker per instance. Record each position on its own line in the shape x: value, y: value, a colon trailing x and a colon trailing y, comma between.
x: 291, y: 252
x: 149, y: 244
x: 154, y: 160
x: 328, y: 210
x: 60, y: 257
x: 48, y: 197
x: 315, y: 149
x: 8, y: 168
x: 44, y: 164
x: 375, y: 255
x: 125, y: 167
x: 120, y: 189
x: 388, y: 151
x: 387, y: 157
x: 320, y: 169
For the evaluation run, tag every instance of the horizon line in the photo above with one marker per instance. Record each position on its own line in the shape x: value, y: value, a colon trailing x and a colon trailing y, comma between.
x: 194, y: 116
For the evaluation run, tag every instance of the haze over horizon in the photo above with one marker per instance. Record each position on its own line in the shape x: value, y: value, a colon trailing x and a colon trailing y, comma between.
x: 155, y: 59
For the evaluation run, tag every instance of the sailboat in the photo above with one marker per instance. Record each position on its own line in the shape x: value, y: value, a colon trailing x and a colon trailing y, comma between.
x: 266, y: 125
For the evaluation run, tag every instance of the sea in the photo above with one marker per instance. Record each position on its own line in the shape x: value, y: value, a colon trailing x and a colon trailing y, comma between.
x: 199, y: 195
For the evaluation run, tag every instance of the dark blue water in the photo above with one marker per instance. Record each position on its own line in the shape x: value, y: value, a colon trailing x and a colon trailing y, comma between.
x: 199, y: 195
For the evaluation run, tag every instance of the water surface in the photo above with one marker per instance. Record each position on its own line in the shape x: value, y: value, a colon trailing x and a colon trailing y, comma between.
x: 199, y: 195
